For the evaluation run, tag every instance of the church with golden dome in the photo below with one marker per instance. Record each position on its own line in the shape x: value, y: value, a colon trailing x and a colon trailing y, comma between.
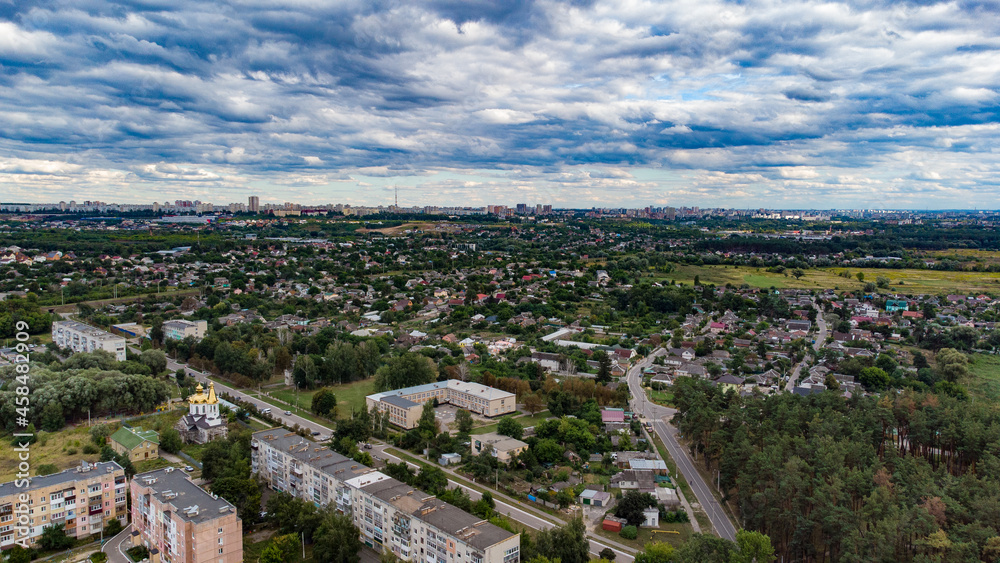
x: 202, y: 423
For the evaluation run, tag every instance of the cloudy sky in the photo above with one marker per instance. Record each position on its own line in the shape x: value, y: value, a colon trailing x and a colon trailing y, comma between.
x: 773, y: 103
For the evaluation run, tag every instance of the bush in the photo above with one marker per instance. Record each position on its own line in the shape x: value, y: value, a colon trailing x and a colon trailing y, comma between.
x: 629, y: 532
x: 137, y: 553
x: 90, y: 449
x: 99, y: 557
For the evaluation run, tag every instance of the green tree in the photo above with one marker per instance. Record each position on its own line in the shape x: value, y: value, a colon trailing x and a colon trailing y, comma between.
x: 631, y: 506
x: 427, y: 425
x: 112, y: 528
x: 874, y: 379
x: 170, y: 441
x: 156, y: 360
x: 463, y: 421
x: 798, y: 273
x: 180, y: 376
x: 405, y: 371
x: 507, y: 426
x: 607, y: 554
x: 882, y: 281
x: 336, y: 539
x: 18, y: 554
x: 52, y: 417
x: 860, y: 276
x: 706, y: 548
x: 324, y: 403
x: 603, y: 366
x: 655, y: 552
x: 567, y: 543
x: 754, y: 547
x: 54, y: 538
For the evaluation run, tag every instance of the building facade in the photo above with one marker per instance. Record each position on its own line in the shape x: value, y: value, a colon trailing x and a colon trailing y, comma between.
x: 404, y: 405
x: 83, y: 499
x: 202, y: 423
x: 180, y: 329
x: 81, y: 337
x: 180, y: 522
x: 391, y: 515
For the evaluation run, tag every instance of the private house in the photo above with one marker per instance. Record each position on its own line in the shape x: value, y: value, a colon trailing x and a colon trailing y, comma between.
x: 136, y: 443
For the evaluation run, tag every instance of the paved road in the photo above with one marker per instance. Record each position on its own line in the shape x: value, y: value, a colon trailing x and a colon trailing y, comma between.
x: 660, y: 415
x: 820, y: 339
x: 519, y: 514
x: 276, y: 411
x: 514, y: 512
x: 116, y: 546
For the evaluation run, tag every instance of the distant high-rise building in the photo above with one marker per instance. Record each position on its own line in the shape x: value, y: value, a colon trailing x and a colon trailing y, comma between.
x: 254, y: 206
x: 547, y: 209
x: 156, y: 207
x: 522, y: 208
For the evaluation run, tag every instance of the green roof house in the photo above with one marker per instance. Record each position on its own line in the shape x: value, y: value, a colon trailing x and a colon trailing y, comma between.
x: 137, y: 443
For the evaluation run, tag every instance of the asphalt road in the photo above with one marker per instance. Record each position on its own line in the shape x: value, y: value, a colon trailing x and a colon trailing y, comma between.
x: 820, y: 339
x: 514, y: 512
x: 276, y: 411
x: 667, y: 433
x: 116, y: 546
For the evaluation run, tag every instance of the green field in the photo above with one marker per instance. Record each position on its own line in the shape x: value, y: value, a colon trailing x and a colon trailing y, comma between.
x: 913, y: 281
x: 984, y: 376
x: 526, y: 421
x: 350, y: 396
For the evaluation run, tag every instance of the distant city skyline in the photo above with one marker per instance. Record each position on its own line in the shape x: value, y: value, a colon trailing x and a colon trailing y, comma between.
x: 786, y: 104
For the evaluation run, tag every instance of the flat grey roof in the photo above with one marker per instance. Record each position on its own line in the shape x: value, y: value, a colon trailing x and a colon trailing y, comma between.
x: 67, y: 476
x: 312, y: 454
x: 176, y: 482
x: 398, y: 401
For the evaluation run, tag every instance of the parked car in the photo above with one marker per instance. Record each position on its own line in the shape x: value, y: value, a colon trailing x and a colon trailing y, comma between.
x: 188, y: 468
x: 315, y: 433
x: 288, y: 412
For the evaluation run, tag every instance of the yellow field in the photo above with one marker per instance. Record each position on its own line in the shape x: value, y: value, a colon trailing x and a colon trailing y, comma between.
x: 902, y: 281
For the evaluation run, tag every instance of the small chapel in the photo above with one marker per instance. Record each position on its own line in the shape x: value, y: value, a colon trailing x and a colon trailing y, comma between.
x: 202, y: 423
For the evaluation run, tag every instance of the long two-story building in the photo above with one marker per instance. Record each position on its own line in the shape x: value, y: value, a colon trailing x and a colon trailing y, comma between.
x: 391, y: 515
x: 404, y: 405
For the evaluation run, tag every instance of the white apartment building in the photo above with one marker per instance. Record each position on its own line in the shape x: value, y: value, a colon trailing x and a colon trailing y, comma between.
x: 391, y: 515
x: 180, y: 329
x: 81, y: 337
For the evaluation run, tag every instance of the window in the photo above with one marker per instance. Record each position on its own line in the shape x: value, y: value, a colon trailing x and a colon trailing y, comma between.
x: 220, y: 530
x: 220, y: 541
x: 220, y: 551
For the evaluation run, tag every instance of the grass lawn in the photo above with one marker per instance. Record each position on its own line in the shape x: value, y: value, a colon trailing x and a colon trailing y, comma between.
x: 350, y: 396
x: 903, y: 281
x: 661, y: 397
x: 64, y: 449
x: 674, y: 534
x: 526, y: 421
x: 984, y: 376
x: 151, y: 464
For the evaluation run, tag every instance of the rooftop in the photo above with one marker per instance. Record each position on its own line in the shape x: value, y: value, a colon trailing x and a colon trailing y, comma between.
x: 312, y: 454
x: 67, y: 476
x: 191, y: 502
x: 477, y: 389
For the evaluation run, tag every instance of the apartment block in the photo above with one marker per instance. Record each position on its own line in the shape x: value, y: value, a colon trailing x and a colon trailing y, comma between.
x: 179, y: 522
x: 180, y: 329
x: 404, y: 405
x: 81, y: 337
x: 83, y: 499
x: 417, y: 526
x: 391, y: 515
x: 288, y: 462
